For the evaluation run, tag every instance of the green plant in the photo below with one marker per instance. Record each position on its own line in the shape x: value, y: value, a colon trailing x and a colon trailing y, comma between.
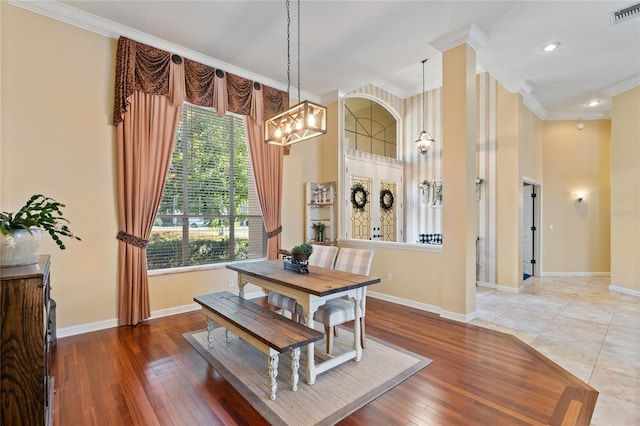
x: 39, y: 212
x: 318, y: 227
x: 304, y: 249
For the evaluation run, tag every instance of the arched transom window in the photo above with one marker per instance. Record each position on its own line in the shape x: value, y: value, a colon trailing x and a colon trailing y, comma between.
x: 369, y: 127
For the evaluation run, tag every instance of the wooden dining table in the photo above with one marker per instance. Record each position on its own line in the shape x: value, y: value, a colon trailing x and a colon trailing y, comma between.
x: 311, y: 290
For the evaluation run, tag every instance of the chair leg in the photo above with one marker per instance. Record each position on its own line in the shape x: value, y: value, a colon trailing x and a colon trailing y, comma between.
x: 329, y: 338
x: 335, y: 331
x: 362, y: 339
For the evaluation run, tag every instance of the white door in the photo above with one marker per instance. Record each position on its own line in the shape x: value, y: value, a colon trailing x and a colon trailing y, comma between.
x: 527, y: 229
x: 373, y: 221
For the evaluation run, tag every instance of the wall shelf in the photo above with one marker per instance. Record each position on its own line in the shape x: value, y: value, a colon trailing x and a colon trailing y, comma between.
x: 320, y: 207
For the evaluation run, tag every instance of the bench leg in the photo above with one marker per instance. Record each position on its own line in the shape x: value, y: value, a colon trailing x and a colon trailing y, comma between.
x: 273, y: 374
x: 295, y: 365
x: 210, y: 330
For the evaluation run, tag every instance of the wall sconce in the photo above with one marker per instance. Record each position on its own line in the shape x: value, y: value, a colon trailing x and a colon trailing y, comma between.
x: 425, y: 187
x: 580, y: 196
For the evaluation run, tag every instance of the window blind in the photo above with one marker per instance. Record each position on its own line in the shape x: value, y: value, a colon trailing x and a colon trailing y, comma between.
x: 209, y: 211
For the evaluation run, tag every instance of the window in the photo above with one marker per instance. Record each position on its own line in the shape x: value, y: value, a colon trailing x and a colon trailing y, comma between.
x: 369, y: 127
x: 209, y: 212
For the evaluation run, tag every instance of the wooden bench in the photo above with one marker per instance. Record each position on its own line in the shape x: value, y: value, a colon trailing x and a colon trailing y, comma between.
x: 268, y: 331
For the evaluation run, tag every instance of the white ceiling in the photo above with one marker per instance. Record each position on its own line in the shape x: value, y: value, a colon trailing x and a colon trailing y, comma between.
x: 347, y: 44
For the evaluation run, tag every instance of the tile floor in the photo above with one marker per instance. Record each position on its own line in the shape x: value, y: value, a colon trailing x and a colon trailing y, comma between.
x: 584, y: 327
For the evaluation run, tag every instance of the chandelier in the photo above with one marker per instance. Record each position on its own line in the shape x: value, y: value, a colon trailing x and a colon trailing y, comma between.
x: 424, y: 141
x: 303, y: 121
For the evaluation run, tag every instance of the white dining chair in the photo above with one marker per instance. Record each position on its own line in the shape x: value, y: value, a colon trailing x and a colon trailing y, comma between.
x: 341, y: 310
x: 322, y: 257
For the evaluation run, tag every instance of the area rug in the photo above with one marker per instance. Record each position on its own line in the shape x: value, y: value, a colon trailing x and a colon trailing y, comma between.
x: 336, y: 393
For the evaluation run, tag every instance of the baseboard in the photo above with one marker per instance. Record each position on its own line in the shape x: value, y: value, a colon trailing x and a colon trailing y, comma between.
x: 624, y: 290
x: 504, y: 288
x: 86, y: 328
x: 459, y: 317
x: 101, y: 325
x: 424, y: 307
x: 174, y: 311
x: 508, y: 289
x: 405, y: 302
x: 575, y: 274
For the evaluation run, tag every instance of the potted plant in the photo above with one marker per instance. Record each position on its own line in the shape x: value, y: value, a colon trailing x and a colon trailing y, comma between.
x: 318, y: 227
x: 302, y: 252
x: 21, y: 232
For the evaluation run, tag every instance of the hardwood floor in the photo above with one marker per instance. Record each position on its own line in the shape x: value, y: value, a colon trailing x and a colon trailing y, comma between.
x: 149, y: 375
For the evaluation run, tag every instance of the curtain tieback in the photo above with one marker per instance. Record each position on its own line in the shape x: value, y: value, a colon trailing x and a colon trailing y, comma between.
x: 275, y: 232
x: 133, y: 240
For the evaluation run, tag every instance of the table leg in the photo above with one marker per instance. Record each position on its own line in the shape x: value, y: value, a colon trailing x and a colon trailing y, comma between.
x: 311, y: 364
x: 356, y: 329
x: 210, y: 331
x: 272, y: 369
x: 241, y: 284
x: 295, y: 365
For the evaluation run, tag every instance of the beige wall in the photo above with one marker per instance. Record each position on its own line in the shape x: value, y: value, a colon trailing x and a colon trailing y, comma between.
x: 530, y: 144
x: 56, y: 138
x: 459, y: 211
x: 576, y: 161
x: 421, y: 289
x: 56, y: 105
x: 519, y: 157
x: 625, y: 192
x: 313, y: 160
x: 508, y: 190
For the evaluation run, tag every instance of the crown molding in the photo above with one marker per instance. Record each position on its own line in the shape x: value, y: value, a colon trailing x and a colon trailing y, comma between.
x: 623, y: 86
x: 534, y: 105
x: 470, y: 34
x: 526, y: 88
x: 87, y: 21
x: 563, y: 116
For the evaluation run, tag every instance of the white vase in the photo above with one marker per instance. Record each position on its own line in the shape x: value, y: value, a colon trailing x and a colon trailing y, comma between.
x: 19, y: 247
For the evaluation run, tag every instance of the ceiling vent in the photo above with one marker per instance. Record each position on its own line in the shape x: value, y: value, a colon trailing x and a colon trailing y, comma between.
x: 625, y: 14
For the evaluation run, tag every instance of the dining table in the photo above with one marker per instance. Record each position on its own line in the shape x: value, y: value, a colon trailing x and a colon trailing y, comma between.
x: 311, y: 290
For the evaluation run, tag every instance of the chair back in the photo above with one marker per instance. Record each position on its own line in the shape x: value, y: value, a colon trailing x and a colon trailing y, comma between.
x: 356, y: 261
x: 323, y: 256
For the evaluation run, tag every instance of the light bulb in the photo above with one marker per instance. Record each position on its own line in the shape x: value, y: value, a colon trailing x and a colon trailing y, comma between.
x: 298, y: 124
x: 312, y: 120
x: 551, y: 47
x: 287, y: 128
x: 278, y: 133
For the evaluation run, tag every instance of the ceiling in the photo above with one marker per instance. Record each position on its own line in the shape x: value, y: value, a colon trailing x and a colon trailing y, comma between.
x: 348, y: 44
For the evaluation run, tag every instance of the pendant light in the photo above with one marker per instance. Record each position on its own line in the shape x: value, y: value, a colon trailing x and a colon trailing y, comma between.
x: 303, y: 121
x: 424, y: 141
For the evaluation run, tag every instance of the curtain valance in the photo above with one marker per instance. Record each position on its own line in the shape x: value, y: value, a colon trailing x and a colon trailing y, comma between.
x: 143, y: 68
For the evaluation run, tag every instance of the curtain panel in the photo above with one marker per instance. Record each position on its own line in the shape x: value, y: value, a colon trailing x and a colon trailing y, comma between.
x: 150, y: 88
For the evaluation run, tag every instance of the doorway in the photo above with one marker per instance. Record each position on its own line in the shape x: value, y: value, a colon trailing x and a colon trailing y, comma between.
x: 530, y: 229
x: 378, y: 186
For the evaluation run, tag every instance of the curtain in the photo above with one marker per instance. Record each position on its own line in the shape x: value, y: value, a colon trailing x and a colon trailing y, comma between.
x: 150, y: 88
x: 266, y: 161
x: 145, y: 141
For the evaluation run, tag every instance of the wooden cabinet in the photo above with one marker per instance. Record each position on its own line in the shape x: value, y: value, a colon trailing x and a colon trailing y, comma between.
x: 26, y: 389
x: 320, y: 208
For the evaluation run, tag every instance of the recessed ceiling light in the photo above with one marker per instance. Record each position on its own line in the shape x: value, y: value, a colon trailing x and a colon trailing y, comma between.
x: 550, y: 47
x: 593, y: 103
